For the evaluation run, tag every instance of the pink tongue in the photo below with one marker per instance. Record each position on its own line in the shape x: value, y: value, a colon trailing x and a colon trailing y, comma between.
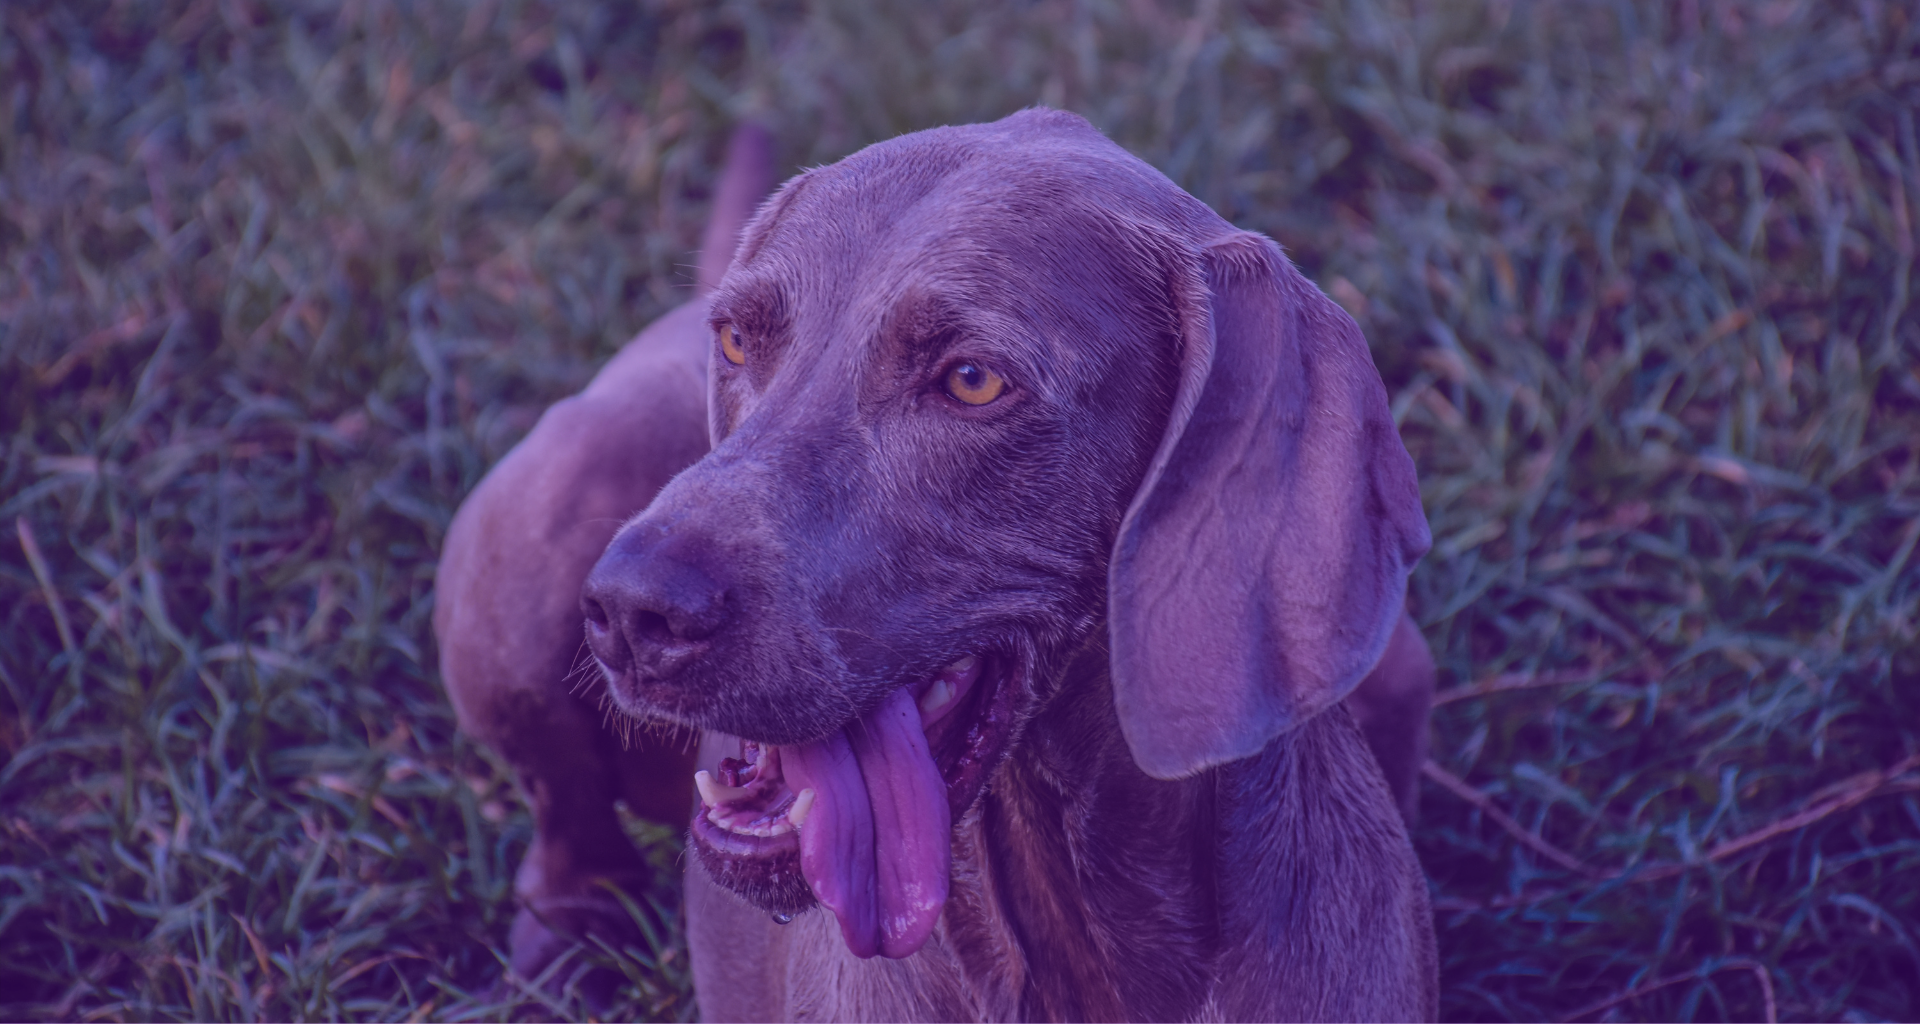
x: 876, y: 846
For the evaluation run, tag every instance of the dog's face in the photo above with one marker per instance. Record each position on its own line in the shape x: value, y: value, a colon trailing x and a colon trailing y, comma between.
x: 941, y: 370
x: 934, y: 393
x: 935, y: 388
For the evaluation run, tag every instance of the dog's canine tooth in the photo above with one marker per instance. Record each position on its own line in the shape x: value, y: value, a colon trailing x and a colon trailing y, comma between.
x: 713, y: 792
x: 937, y: 696
x: 802, y: 806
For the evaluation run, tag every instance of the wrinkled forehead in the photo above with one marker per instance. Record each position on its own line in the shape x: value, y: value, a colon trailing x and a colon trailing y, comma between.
x: 990, y: 216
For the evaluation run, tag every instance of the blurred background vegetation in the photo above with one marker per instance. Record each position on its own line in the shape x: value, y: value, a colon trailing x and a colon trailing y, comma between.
x: 278, y: 281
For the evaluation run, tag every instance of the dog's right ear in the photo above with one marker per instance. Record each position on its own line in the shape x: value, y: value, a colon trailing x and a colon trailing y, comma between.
x: 1263, y: 563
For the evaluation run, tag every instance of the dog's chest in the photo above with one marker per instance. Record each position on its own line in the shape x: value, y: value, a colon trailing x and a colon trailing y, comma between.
x: 746, y: 967
x: 825, y: 982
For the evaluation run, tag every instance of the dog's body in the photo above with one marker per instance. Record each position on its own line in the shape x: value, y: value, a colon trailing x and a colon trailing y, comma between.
x: 1160, y: 806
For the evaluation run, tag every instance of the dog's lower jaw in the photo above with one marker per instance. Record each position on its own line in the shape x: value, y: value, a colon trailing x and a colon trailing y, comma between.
x: 759, y: 808
x: 773, y: 883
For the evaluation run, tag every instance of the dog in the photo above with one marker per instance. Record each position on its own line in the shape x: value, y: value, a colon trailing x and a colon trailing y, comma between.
x: 1028, y: 548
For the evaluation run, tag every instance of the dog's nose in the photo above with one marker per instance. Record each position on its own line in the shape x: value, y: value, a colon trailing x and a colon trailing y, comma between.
x: 650, y: 605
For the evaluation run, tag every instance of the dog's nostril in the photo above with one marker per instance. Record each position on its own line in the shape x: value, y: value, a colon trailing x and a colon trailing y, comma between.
x: 650, y: 608
x: 651, y: 626
x: 595, y: 612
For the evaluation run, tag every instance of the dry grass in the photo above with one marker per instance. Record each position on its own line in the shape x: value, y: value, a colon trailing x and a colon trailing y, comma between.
x: 281, y: 281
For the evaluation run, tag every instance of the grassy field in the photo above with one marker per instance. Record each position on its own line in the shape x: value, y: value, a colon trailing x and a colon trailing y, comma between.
x: 279, y: 281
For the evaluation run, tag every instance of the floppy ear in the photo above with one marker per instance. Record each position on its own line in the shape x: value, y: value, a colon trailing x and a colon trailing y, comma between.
x: 1264, y: 560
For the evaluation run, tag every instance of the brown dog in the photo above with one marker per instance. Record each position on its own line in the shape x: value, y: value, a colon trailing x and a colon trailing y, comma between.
x: 1048, y: 521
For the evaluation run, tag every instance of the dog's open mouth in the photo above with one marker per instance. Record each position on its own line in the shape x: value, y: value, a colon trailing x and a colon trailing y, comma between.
x: 860, y: 820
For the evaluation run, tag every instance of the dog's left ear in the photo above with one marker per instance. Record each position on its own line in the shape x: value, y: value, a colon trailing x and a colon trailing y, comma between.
x: 1264, y: 560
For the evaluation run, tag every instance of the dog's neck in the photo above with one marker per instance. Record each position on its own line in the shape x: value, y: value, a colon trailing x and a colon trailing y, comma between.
x: 1082, y: 888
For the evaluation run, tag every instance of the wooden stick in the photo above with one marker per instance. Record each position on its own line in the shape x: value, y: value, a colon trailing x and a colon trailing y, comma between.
x: 1870, y: 785
x: 1458, y: 787
x: 1515, y: 681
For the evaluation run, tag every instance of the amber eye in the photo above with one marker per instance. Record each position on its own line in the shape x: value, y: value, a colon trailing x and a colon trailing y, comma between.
x: 974, y: 384
x: 730, y: 347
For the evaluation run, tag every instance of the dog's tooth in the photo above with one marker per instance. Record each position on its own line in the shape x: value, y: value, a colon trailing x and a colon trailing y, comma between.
x: 713, y: 792
x: 802, y: 806
x: 780, y: 828
x: 937, y: 696
x: 726, y: 821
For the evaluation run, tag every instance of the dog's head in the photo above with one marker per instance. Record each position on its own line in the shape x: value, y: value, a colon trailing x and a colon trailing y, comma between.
x: 977, y: 393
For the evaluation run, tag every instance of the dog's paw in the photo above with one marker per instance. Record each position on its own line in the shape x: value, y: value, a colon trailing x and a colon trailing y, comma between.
x: 553, y: 946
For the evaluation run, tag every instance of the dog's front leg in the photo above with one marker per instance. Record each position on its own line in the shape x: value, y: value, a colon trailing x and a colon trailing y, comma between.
x: 510, y: 629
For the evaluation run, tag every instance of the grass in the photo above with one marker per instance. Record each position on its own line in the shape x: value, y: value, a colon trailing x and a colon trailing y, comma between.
x: 281, y: 280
